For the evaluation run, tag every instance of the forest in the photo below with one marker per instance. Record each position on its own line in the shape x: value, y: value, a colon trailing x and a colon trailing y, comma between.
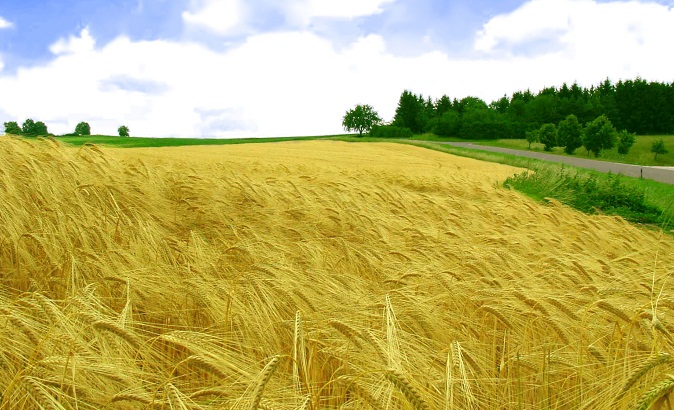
x: 638, y: 106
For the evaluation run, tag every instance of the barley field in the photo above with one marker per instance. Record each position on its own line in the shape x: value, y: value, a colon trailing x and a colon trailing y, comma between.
x: 317, y: 275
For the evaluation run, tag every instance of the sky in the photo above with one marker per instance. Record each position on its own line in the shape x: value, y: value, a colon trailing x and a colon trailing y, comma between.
x: 267, y: 68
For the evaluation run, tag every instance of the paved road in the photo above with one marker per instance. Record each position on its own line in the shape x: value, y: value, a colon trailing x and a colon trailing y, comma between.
x: 661, y: 174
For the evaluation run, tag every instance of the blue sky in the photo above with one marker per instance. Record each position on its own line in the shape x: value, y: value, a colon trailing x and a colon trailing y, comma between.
x: 228, y: 68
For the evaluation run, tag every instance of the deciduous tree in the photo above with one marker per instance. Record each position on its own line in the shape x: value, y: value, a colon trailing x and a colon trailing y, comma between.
x: 361, y: 118
x: 27, y: 127
x: 12, y: 128
x: 532, y: 136
x: 548, y: 136
x: 569, y: 134
x: 599, y: 135
x: 658, y: 147
x: 83, y: 128
x: 123, y: 131
x: 33, y: 129
x: 625, y: 142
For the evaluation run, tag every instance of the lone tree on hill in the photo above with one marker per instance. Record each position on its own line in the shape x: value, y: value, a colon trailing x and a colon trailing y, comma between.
x: 548, y: 136
x: 362, y: 118
x: 12, y: 128
x: 123, y: 131
x: 599, y: 135
x: 83, y: 128
x: 658, y: 147
x: 569, y: 134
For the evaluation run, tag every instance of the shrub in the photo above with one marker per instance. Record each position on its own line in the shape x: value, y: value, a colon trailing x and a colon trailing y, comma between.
x: 625, y: 141
x: 658, y: 147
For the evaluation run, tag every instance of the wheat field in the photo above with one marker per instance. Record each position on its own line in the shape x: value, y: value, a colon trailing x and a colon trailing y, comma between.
x: 317, y: 275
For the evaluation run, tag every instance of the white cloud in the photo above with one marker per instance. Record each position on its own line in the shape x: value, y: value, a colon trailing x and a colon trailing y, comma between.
x: 345, y: 8
x: 4, y: 23
x: 534, y: 19
x: 219, y: 16
x: 303, y: 12
x: 298, y: 83
x: 612, y: 30
x: 82, y: 44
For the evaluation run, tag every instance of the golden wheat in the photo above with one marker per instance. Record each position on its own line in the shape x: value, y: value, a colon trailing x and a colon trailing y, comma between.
x: 166, y: 277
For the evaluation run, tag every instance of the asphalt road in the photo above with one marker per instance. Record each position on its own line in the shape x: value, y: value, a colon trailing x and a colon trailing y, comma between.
x: 660, y: 174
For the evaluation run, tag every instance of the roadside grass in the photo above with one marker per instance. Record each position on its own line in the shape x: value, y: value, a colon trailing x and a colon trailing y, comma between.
x: 143, y: 142
x: 636, y: 200
x: 640, y: 154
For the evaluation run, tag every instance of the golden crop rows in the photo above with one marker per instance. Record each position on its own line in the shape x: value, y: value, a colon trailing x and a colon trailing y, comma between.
x: 317, y: 275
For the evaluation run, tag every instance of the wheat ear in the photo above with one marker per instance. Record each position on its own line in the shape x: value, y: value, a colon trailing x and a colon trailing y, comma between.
x: 602, y: 304
x: 117, y: 330
x: 498, y: 315
x: 207, y: 365
x: 347, y: 331
x: 412, y: 395
x: 656, y: 393
x: 353, y: 386
x: 174, y: 398
x: 130, y: 397
x: 37, y: 391
x: 265, y: 375
x: 642, y: 369
x: 457, y: 361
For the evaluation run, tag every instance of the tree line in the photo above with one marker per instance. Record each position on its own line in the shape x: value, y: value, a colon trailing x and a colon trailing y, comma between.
x: 31, y: 128
x: 637, y: 106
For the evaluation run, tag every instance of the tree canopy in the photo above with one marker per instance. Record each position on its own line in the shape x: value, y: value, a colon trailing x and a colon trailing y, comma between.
x: 548, y: 136
x: 31, y: 128
x: 123, y: 131
x: 83, y: 128
x: 636, y: 106
x: 599, y: 135
x: 569, y: 134
x: 12, y: 127
x: 361, y: 118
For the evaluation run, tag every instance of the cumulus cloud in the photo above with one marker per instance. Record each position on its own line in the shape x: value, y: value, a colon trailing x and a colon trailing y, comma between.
x: 72, y: 45
x: 219, y: 16
x: 580, y: 28
x: 4, y: 23
x: 235, y: 17
x: 298, y: 83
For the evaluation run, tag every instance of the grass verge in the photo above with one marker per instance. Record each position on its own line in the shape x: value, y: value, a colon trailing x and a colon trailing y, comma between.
x: 640, y: 154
